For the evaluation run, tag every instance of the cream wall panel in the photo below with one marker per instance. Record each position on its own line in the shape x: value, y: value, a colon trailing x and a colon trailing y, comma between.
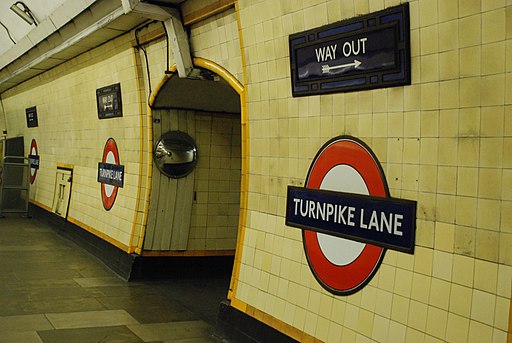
x: 442, y: 141
x: 70, y: 132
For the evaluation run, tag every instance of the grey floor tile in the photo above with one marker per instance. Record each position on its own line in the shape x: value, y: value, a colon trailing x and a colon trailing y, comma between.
x: 24, y: 323
x: 91, y: 319
x: 24, y: 248
x: 172, y: 331
x: 112, y: 334
x: 20, y: 337
x: 105, y: 281
x: 47, y: 279
x: 63, y: 305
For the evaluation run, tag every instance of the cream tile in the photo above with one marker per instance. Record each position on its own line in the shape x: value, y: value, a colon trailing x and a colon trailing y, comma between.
x: 470, y: 61
x: 449, y: 94
x: 436, y: 322
x: 486, y: 276
x: 489, y: 184
x: 479, y: 332
x: 383, y: 303
x: 493, y: 90
x: 444, y: 237
x: 505, y: 242
x: 488, y: 214
x: 493, y: 58
x: 457, y: 328
x: 483, y: 307
x: 465, y: 238
x: 487, y: 245
x: 468, y: 7
x: 449, y: 65
x: 460, y: 300
x: 448, y: 157
x: 448, y: 10
x: 469, y: 152
x: 428, y: 11
x: 430, y: 95
x: 493, y: 26
x: 469, y: 31
x: 417, y: 315
x: 463, y: 270
x: 439, y: 293
x: 380, y: 329
x: 421, y: 288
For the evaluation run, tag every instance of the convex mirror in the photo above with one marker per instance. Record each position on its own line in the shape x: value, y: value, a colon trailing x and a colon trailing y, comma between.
x: 175, y: 154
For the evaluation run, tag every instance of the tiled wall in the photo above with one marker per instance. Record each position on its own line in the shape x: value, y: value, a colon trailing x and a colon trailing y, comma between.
x: 444, y: 141
x: 215, y: 213
x: 70, y: 133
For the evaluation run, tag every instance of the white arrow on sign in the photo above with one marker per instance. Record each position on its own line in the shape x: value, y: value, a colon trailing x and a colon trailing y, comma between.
x: 327, y: 68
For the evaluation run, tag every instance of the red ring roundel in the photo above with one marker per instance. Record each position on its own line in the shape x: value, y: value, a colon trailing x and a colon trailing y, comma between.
x: 349, y: 278
x: 33, y: 151
x: 109, y: 192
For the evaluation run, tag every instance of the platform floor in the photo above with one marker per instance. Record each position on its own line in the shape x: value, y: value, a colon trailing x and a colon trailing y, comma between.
x: 52, y: 291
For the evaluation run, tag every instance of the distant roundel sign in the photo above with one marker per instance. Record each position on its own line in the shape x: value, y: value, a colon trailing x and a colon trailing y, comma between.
x: 346, y: 216
x: 110, y: 174
x: 33, y: 158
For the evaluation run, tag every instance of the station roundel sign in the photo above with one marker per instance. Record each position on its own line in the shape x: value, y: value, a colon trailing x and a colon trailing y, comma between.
x: 111, y: 156
x: 33, y: 152
x: 344, y: 164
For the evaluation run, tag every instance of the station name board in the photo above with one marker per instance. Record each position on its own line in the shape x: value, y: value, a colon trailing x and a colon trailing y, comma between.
x: 111, y: 174
x: 385, y: 222
x: 371, y: 51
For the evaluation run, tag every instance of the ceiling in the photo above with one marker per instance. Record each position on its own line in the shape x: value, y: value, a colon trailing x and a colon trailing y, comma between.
x: 66, y: 29
x: 17, y: 27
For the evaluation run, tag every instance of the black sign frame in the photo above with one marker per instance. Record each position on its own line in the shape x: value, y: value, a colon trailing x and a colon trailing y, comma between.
x: 114, y: 169
x: 353, y: 76
x: 31, y: 114
x: 33, y: 161
x: 405, y: 242
x: 108, y: 101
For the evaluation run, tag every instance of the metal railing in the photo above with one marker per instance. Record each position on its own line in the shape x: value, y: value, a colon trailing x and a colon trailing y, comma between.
x: 14, y: 185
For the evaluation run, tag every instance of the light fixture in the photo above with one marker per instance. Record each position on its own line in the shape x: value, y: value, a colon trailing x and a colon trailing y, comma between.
x: 23, y: 12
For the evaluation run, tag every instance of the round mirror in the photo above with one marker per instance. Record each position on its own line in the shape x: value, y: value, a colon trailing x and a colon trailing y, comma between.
x: 175, y: 154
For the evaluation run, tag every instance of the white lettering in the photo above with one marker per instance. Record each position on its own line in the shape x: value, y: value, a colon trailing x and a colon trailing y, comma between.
x: 397, y: 224
x: 350, y: 49
x: 330, y: 210
x: 296, y: 201
x: 350, y: 218
x: 362, y: 225
x: 374, y: 223
x: 384, y: 222
x: 326, y: 53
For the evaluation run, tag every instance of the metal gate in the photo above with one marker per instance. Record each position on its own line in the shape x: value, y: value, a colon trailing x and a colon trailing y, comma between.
x: 14, y: 185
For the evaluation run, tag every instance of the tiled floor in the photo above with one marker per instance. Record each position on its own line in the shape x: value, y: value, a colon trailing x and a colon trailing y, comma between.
x: 52, y: 291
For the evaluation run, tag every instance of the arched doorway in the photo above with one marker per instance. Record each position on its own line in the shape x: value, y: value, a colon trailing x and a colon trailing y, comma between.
x: 202, y: 214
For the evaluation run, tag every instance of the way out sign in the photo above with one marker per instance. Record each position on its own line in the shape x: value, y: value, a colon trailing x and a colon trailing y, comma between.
x: 365, y: 52
x: 347, y: 216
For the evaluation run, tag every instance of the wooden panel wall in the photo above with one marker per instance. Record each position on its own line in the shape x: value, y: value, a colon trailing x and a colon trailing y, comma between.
x: 171, y: 199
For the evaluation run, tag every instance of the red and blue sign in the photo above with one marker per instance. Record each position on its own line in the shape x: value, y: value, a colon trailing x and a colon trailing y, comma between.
x: 347, y: 216
x: 33, y: 160
x: 110, y: 174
